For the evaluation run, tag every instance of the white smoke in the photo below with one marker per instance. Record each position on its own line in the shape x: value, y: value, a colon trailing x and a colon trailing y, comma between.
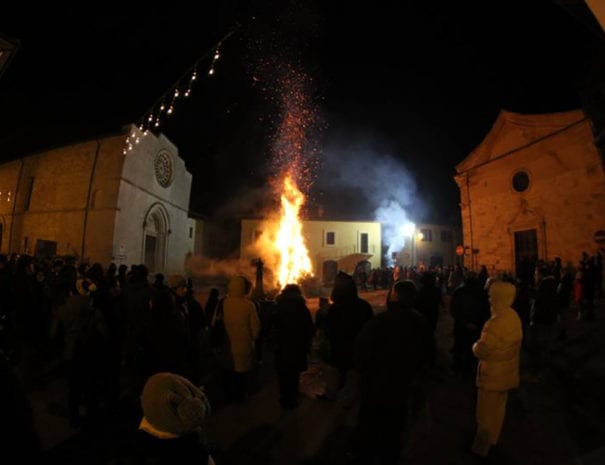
x: 394, y: 219
x: 362, y: 182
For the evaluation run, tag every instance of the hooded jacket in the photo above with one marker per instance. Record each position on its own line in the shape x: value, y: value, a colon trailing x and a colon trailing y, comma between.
x: 241, y: 323
x: 499, y: 346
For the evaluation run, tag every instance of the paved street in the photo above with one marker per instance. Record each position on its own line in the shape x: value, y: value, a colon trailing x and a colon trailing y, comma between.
x: 555, y: 422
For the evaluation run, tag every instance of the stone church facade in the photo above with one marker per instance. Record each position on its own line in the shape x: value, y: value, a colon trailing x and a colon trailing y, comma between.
x: 533, y: 189
x: 93, y: 201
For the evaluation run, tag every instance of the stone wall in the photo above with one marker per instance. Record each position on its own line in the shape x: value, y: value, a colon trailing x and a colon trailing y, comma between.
x: 564, y: 203
x: 93, y: 202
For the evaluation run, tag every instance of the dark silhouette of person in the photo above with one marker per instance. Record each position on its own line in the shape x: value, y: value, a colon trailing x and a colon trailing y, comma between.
x: 470, y: 310
x: 346, y: 316
x: 429, y: 299
x: 390, y: 350
x: 293, y: 331
x: 211, y: 304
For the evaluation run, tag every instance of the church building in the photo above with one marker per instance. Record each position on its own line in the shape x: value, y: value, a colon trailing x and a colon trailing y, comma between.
x: 534, y: 189
x: 95, y: 201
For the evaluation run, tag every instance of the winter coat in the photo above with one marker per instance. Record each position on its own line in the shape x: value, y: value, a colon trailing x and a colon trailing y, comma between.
x: 293, y: 331
x: 389, y: 351
x: 182, y: 450
x: 499, y: 347
x: 241, y: 324
x: 346, y: 316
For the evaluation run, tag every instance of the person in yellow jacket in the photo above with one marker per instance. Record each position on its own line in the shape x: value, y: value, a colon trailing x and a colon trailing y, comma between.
x: 498, y: 351
x: 242, y: 326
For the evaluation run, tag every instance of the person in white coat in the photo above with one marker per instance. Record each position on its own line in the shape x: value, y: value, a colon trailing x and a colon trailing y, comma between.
x: 498, y: 350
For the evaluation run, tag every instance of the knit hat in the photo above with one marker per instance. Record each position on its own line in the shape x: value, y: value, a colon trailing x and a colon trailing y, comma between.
x: 173, y: 405
x: 176, y: 280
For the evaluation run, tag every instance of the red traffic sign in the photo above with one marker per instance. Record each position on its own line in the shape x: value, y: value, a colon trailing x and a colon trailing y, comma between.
x: 459, y: 250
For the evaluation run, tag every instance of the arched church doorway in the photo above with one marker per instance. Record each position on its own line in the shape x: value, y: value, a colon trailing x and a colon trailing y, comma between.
x: 155, y: 236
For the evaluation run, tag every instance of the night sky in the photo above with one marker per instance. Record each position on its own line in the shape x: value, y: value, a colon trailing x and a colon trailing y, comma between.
x: 400, y: 92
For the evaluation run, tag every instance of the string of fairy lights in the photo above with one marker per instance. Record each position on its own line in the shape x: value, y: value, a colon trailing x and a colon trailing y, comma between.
x: 165, y: 106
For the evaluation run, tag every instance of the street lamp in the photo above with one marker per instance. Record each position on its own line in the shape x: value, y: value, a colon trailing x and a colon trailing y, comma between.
x: 408, y: 230
x: 417, y: 236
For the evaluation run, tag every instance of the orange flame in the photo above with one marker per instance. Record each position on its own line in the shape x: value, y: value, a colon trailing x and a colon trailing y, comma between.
x: 294, y: 261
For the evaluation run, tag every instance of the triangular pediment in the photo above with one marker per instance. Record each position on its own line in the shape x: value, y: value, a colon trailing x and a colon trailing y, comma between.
x: 513, y: 131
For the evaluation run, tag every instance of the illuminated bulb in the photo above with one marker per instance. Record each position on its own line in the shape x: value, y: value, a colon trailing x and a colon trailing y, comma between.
x: 138, y: 139
x: 210, y: 71
x: 133, y: 134
x: 194, y: 76
x: 187, y: 92
x: 124, y: 152
x: 150, y: 119
x: 176, y: 92
x: 146, y: 132
x: 170, y: 110
x: 216, y: 55
x: 162, y: 107
x: 157, y: 124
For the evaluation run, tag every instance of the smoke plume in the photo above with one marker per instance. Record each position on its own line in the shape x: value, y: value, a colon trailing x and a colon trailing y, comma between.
x: 359, y: 181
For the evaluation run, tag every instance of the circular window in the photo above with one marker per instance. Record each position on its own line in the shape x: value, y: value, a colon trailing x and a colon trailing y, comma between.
x: 163, y: 169
x: 520, y: 181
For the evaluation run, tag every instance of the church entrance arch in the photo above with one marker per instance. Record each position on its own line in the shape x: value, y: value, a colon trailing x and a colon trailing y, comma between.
x: 155, y: 237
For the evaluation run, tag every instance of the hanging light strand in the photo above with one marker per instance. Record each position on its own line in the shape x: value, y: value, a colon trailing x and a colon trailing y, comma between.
x: 165, y: 105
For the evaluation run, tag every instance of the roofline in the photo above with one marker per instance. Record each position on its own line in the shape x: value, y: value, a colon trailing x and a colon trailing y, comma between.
x: 517, y: 149
x: 73, y: 143
x: 108, y: 135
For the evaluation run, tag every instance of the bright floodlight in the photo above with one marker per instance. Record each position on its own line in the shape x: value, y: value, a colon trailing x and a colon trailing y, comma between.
x: 408, y: 229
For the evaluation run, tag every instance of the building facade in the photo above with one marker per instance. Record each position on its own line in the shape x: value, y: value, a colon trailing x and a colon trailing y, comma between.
x: 430, y: 245
x: 533, y: 189
x: 93, y: 201
x: 332, y: 245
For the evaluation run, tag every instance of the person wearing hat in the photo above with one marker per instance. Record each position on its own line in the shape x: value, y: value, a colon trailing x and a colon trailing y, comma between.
x: 172, y: 428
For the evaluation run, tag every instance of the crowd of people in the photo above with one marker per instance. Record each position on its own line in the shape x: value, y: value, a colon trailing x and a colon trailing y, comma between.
x: 116, y: 335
